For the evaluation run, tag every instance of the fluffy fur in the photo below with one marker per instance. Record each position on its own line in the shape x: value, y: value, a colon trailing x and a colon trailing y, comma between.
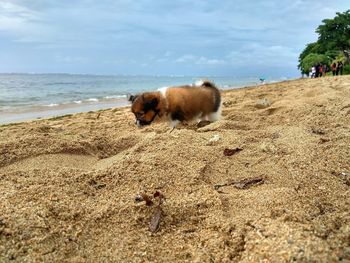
x: 201, y: 101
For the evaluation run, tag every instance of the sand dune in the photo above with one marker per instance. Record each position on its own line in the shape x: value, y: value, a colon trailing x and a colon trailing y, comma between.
x: 69, y: 183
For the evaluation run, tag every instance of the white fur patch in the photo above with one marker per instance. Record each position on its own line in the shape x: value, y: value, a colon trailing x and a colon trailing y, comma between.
x: 163, y: 91
x: 199, y: 83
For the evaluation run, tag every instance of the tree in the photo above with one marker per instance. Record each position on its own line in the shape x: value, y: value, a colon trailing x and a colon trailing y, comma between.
x: 333, y: 42
x: 312, y: 48
x: 334, y: 34
x: 311, y: 60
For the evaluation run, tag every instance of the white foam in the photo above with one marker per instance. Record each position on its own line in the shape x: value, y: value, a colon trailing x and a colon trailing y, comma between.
x: 51, y: 105
x: 92, y: 100
x: 116, y: 97
x: 77, y: 101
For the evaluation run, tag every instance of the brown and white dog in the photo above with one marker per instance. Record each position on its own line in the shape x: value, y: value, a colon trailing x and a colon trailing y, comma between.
x: 201, y: 101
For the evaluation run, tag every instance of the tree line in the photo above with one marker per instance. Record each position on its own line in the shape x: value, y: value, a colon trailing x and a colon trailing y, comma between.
x: 333, y: 44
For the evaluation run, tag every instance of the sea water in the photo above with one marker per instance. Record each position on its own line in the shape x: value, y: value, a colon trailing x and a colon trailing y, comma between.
x: 31, y: 96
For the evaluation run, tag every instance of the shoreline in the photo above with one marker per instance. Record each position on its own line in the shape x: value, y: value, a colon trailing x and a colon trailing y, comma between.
x: 47, y: 112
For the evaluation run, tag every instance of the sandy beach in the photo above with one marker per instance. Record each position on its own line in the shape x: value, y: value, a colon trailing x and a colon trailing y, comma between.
x: 269, y: 182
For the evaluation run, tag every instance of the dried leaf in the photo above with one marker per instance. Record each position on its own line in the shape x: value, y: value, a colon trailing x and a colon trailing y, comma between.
x: 156, y: 194
x: 147, y: 199
x: 229, y: 152
x: 324, y: 140
x: 202, y: 124
x: 160, y: 197
x: 155, y: 220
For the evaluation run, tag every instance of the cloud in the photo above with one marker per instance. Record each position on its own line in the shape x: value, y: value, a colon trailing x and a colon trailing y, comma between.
x: 185, y: 59
x: 70, y: 59
x: 199, y: 60
x: 257, y: 54
x: 14, y: 18
x: 176, y: 37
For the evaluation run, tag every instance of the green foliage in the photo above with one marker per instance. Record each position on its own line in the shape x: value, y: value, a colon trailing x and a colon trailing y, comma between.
x: 339, y: 57
x: 333, y: 43
x: 346, y: 69
x: 313, y: 59
x: 310, y: 48
x: 335, y: 33
x: 332, y: 54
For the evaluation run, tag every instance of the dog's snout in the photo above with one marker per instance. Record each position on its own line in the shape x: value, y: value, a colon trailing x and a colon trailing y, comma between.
x: 140, y: 122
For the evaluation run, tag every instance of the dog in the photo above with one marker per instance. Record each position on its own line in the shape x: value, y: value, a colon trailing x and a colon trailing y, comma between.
x: 201, y: 101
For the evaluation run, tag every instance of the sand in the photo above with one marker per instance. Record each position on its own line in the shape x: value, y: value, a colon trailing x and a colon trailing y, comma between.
x: 68, y: 184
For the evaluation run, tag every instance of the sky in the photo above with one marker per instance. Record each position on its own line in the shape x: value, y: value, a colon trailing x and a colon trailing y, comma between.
x: 160, y: 37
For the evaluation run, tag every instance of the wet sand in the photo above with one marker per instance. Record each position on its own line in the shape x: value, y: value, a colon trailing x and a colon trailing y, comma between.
x: 69, y: 184
x: 40, y: 112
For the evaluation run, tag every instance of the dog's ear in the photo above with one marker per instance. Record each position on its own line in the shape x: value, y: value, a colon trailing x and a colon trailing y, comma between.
x: 154, y: 103
x: 150, y: 104
x: 132, y: 98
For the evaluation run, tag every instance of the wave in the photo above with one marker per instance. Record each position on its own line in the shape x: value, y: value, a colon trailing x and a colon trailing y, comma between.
x: 116, y: 97
x: 61, y: 83
x: 51, y: 105
x: 77, y: 102
x: 92, y: 100
x: 80, y: 101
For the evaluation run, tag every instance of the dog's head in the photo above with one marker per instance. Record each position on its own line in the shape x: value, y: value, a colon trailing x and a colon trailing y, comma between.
x: 145, y: 107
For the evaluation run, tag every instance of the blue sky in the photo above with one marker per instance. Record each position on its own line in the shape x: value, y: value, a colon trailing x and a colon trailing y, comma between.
x: 159, y: 37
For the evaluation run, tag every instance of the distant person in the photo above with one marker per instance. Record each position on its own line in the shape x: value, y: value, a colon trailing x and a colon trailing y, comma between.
x: 313, y: 72
x: 337, y: 69
x: 324, y: 70
x: 340, y: 67
x: 320, y: 70
x: 334, y: 68
x: 317, y: 66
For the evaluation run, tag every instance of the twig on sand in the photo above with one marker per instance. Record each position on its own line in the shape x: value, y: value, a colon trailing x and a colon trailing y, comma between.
x: 242, y: 184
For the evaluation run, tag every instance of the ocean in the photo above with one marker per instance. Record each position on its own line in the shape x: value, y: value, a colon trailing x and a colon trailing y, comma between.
x: 33, y: 96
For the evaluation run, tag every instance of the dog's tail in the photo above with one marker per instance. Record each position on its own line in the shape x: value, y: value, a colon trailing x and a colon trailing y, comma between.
x: 217, y: 96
